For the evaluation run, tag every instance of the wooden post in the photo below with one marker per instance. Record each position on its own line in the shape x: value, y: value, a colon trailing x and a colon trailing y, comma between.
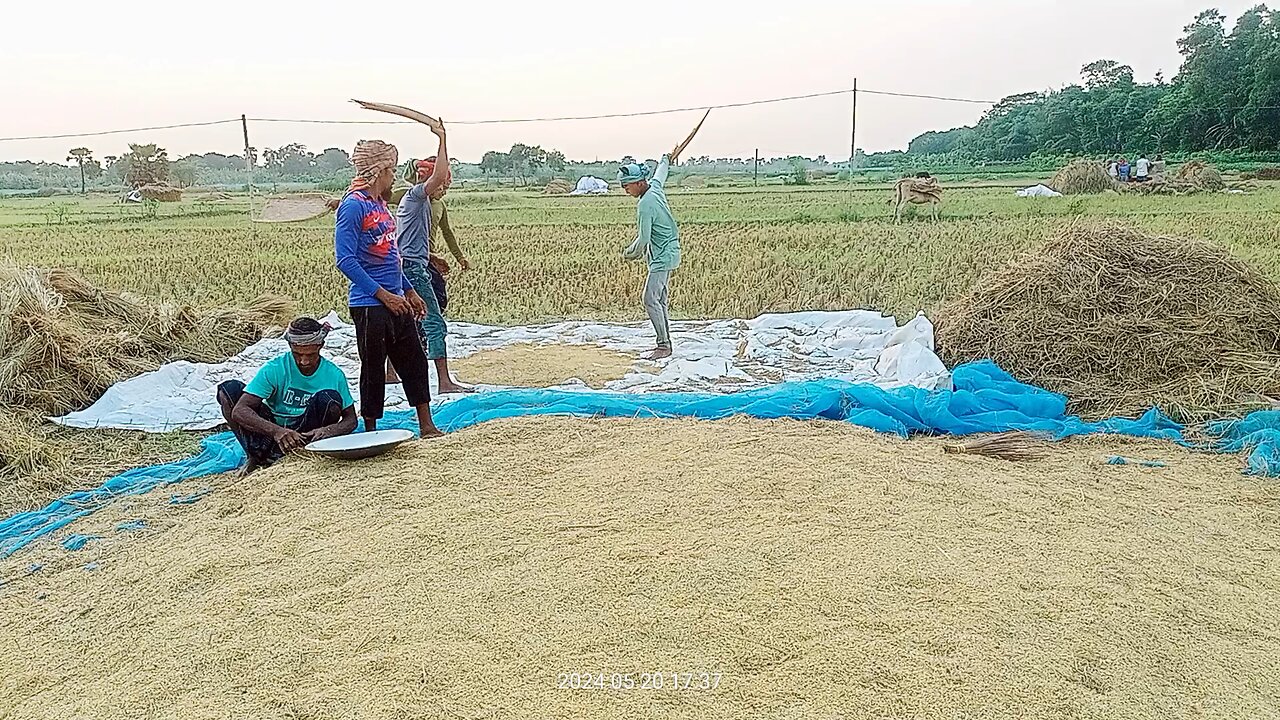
x: 853, y: 129
x: 756, y: 180
x: 248, y: 164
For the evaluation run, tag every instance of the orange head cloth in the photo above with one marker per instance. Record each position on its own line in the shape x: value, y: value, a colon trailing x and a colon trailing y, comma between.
x: 426, y: 167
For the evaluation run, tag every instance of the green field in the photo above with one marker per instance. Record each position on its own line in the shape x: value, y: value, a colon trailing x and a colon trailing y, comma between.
x: 541, y: 258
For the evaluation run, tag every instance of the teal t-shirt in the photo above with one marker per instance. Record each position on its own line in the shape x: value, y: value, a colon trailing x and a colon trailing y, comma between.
x: 285, y: 390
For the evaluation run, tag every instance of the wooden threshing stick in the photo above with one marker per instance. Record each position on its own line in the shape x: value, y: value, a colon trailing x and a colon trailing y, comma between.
x: 402, y: 111
x: 675, y: 154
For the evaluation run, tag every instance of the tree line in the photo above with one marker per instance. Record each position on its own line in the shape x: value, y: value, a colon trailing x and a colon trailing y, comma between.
x: 1226, y: 96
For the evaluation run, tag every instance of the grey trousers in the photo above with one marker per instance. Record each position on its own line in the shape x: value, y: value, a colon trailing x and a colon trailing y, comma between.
x: 656, y: 297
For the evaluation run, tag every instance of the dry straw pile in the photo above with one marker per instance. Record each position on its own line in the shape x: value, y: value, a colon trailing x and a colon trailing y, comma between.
x: 1192, y: 178
x: 1083, y: 177
x: 1120, y: 321
x: 161, y: 193
x: 1200, y: 175
x: 822, y: 570
x: 558, y: 186
x: 63, y: 341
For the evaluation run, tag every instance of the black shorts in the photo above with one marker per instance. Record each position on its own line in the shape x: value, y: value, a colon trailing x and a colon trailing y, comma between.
x: 382, y: 336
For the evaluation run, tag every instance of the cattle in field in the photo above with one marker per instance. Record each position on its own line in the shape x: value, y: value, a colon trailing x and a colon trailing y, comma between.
x: 917, y: 191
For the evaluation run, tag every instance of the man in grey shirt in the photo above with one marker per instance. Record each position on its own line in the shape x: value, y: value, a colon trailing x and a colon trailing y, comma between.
x: 413, y: 222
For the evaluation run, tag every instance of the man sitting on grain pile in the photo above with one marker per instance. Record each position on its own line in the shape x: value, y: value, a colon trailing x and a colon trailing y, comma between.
x: 295, y: 399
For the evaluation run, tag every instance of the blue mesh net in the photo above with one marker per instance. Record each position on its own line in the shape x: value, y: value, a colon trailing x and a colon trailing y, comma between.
x: 984, y: 399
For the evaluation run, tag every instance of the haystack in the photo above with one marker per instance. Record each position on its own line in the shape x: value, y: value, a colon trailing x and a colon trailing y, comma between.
x: 161, y: 193
x: 1082, y: 177
x: 1120, y: 321
x: 63, y: 341
x: 558, y: 186
x: 1199, y: 175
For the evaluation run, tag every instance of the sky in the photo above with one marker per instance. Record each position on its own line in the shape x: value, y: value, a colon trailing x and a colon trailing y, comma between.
x: 104, y: 66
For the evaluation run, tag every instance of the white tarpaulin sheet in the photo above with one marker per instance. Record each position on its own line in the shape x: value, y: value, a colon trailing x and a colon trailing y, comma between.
x: 1039, y: 191
x: 588, y: 185
x: 716, y: 356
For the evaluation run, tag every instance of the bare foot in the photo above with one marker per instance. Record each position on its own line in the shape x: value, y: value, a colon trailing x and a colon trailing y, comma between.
x: 658, y: 353
x: 431, y: 432
x: 453, y: 387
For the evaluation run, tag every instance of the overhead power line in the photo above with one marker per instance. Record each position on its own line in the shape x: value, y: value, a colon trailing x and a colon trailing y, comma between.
x: 640, y: 113
x: 507, y: 121
x: 121, y: 132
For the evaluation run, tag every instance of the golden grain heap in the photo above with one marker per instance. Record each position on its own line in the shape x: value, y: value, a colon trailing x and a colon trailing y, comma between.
x: 1120, y: 321
x: 1083, y: 177
x: 823, y: 570
x: 63, y: 341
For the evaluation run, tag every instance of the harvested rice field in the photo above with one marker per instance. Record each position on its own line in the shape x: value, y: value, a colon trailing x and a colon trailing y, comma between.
x: 543, y: 258
x: 811, y: 570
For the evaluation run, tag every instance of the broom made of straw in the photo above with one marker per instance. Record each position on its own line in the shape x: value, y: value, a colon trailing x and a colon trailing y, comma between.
x: 1017, y: 445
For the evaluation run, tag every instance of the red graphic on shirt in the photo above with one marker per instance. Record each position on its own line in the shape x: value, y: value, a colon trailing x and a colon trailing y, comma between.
x: 379, y: 223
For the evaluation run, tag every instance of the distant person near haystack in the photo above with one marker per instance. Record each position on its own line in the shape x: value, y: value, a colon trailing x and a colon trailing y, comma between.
x: 295, y: 399
x: 1157, y: 169
x: 383, y: 302
x: 420, y: 214
x: 1142, y: 169
x: 1124, y: 170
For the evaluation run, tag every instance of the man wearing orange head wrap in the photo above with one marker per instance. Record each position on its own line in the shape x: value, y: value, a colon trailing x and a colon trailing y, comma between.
x: 416, y: 218
x: 440, y: 228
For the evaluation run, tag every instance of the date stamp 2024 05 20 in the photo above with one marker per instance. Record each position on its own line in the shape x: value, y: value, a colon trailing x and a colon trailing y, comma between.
x: 665, y: 681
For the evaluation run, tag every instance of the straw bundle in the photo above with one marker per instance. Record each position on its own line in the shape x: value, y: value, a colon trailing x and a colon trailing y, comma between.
x: 1120, y: 321
x: 160, y: 193
x: 23, y: 451
x: 1082, y: 177
x: 558, y: 186
x: 1192, y: 178
x: 63, y: 341
x: 1199, y: 175
x: 1006, y: 446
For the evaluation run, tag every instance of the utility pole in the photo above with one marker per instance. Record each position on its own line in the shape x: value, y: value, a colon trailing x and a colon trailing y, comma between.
x: 248, y: 164
x: 853, y: 129
x: 756, y: 180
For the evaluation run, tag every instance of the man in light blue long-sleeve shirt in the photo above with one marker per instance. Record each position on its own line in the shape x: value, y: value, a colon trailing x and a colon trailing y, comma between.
x: 658, y: 242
